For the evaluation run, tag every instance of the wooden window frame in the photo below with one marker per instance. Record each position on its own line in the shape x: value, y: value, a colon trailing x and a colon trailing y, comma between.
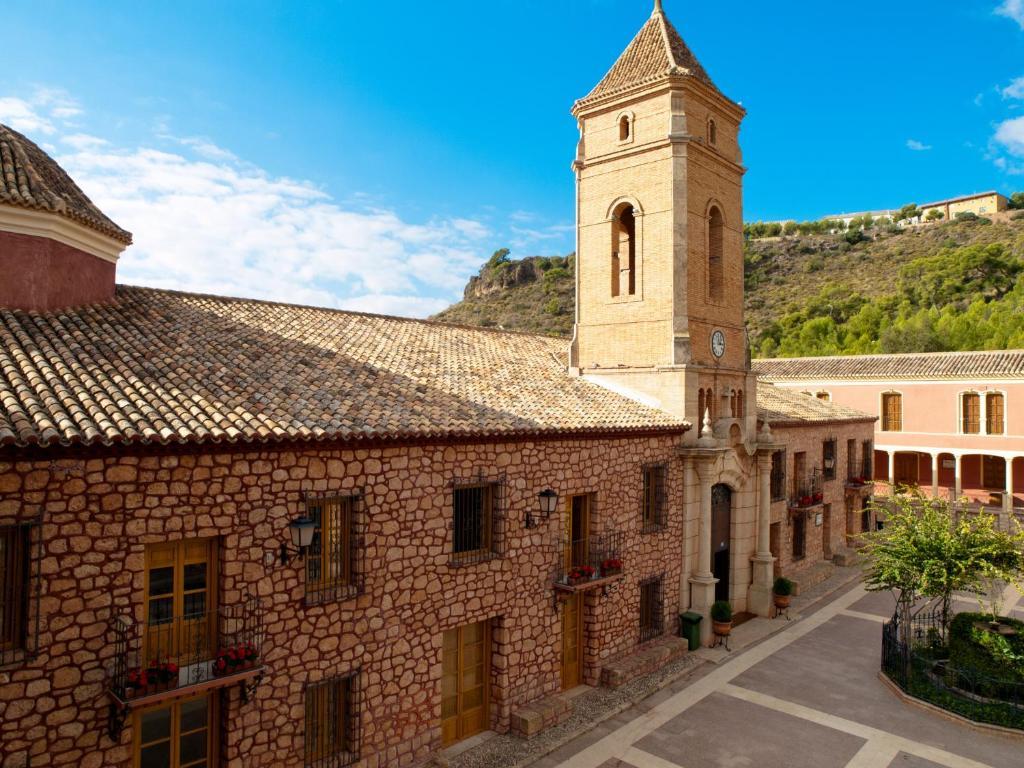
x: 890, y: 422
x: 174, y: 739
x: 19, y: 594
x: 969, y: 425
x: 991, y: 397
x: 654, y: 511
x: 344, y: 541
x: 323, y: 727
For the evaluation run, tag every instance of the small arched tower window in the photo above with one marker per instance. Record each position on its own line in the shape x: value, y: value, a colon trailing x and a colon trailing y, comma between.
x: 625, y: 128
x: 716, y: 248
x: 623, y: 267
x: 712, y: 133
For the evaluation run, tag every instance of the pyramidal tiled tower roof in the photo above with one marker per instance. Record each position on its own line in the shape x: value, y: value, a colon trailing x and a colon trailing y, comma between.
x: 656, y: 51
x: 30, y: 178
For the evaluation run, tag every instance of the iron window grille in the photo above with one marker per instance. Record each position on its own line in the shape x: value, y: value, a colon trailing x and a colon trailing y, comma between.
x: 868, y: 459
x: 20, y: 583
x: 333, y: 722
x: 601, y: 553
x: 651, y: 608
x: 334, y: 562
x: 478, y: 520
x: 828, y: 458
x: 655, y: 500
x: 778, y: 477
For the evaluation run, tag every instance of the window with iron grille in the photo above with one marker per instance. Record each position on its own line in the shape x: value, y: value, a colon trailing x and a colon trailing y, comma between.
x: 333, y: 567
x: 477, y: 533
x: 828, y: 458
x: 333, y: 722
x: 655, y: 512
x: 19, y: 591
x: 778, y: 476
x: 651, y: 608
x: 868, y: 459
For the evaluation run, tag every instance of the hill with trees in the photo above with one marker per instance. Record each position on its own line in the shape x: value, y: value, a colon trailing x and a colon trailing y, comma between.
x: 941, y: 287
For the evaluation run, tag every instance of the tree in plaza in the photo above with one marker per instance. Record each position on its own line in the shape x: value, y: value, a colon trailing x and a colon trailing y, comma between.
x: 927, y: 552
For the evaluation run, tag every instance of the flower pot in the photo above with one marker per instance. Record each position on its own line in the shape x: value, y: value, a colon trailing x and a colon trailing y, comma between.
x: 721, y: 628
x: 781, y: 601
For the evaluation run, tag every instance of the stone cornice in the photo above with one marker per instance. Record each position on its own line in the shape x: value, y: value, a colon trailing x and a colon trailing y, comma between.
x: 24, y: 221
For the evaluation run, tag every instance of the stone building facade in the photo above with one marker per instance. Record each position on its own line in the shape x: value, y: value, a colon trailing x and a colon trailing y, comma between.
x: 243, y: 533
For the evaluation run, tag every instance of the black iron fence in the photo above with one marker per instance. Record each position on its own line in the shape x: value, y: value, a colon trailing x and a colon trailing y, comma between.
x: 169, y: 652
x: 857, y: 473
x: 915, y: 657
x: 590, y: 558
x: 807, y: 491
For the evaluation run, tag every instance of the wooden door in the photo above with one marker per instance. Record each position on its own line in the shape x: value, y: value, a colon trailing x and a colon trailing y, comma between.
x: 826, y: 531
x: 721, y: 533
x: 993, y: 473
x: 181, y: 621
x: 572, y: 642
x: 465, y: 661
x: 905, y: 471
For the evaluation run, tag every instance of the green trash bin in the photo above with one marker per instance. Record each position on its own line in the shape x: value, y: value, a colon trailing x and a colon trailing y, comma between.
x: 689, y: 627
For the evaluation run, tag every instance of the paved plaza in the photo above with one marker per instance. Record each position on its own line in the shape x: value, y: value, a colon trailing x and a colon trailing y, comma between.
x: 806, y: 697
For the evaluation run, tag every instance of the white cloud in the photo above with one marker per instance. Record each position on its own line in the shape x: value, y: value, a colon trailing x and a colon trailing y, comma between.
x: 84, y: 141
x: 1010, y: 136
x: 1012, y: 9
x: 1015, y: 90
x: 917, y: 146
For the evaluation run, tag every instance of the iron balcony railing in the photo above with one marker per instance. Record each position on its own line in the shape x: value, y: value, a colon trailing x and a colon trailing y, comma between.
x: 172, y: 652
x: 588, y: 559
x: 807, y: 491
x: 857, y: 474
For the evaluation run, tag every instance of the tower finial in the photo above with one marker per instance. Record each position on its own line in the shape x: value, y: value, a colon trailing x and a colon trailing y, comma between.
x: 657, y: 7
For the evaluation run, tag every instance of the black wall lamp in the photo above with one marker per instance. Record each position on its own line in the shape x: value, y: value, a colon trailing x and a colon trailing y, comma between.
x: 300, y: 531
x: 548, y: 501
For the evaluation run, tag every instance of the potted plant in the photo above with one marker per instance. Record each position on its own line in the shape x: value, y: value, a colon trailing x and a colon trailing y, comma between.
x: 805, y: 501
x: 234, y: 659
x: 611, y: 567
x: 136, y: 683
x: 580, y: 573
x: 782, y: 590
x: 721, y: 618
x: 819, y: 497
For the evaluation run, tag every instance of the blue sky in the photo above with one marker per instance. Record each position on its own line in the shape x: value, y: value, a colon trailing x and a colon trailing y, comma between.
x: 372, y: 155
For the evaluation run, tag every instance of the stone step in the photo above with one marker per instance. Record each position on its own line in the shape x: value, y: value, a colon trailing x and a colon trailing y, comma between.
x: 811, y: 577
x: 529, y: 720
x: 643, y: 661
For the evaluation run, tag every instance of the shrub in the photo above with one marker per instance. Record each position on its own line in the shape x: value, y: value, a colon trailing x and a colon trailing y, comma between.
x: 1018, y: 216
x: 992, y: 654
x: 783, y: 587
x: 966, y: 216
x: 721, y: 611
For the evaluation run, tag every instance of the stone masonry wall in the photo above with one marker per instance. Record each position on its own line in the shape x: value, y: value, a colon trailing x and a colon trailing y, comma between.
x: 100, y: 513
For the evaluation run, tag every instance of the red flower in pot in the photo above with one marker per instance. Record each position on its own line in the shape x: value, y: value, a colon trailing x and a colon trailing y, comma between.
x: 611, y: 566
x: 805, y: 501
x: 819, y: 497
x: 581, y: 573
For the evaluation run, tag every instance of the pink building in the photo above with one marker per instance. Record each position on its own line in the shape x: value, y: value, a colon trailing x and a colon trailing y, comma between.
x: 949, y: 422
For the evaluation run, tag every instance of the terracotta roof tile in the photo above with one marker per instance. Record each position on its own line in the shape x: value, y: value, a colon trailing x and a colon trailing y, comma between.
x: 656, y: 51
x: 30, y: 178
x: 158, y: 366
x: 784, y: 406
x: 1001, y: 364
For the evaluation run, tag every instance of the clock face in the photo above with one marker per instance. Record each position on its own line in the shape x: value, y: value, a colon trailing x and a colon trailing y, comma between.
x: 718, y: 343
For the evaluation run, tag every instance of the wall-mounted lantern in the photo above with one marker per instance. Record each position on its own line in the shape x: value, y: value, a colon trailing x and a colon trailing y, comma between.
x: 548, y: 502
x: 300, y: 531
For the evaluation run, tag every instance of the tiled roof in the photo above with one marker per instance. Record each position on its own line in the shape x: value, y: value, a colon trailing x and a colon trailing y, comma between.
x: 784, y: 406
x: 156, y: 366
x: 656, y: 51
x: 30, y: 178
x: 1008, y: 364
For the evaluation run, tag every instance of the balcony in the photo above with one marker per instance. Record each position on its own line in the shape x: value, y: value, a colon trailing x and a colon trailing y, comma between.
x: 858, y: 476
x: 589, y: 563
x: 807, y: 493
x: 172, y: 656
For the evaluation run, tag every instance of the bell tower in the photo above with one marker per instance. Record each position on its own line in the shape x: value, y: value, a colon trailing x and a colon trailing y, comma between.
x: 659, y: 272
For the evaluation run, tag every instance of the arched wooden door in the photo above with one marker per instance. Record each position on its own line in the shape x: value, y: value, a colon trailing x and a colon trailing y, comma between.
x: 721, y: 528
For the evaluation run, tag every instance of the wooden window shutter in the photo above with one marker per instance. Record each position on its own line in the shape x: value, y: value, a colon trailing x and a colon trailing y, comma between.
x: 994, y: 418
